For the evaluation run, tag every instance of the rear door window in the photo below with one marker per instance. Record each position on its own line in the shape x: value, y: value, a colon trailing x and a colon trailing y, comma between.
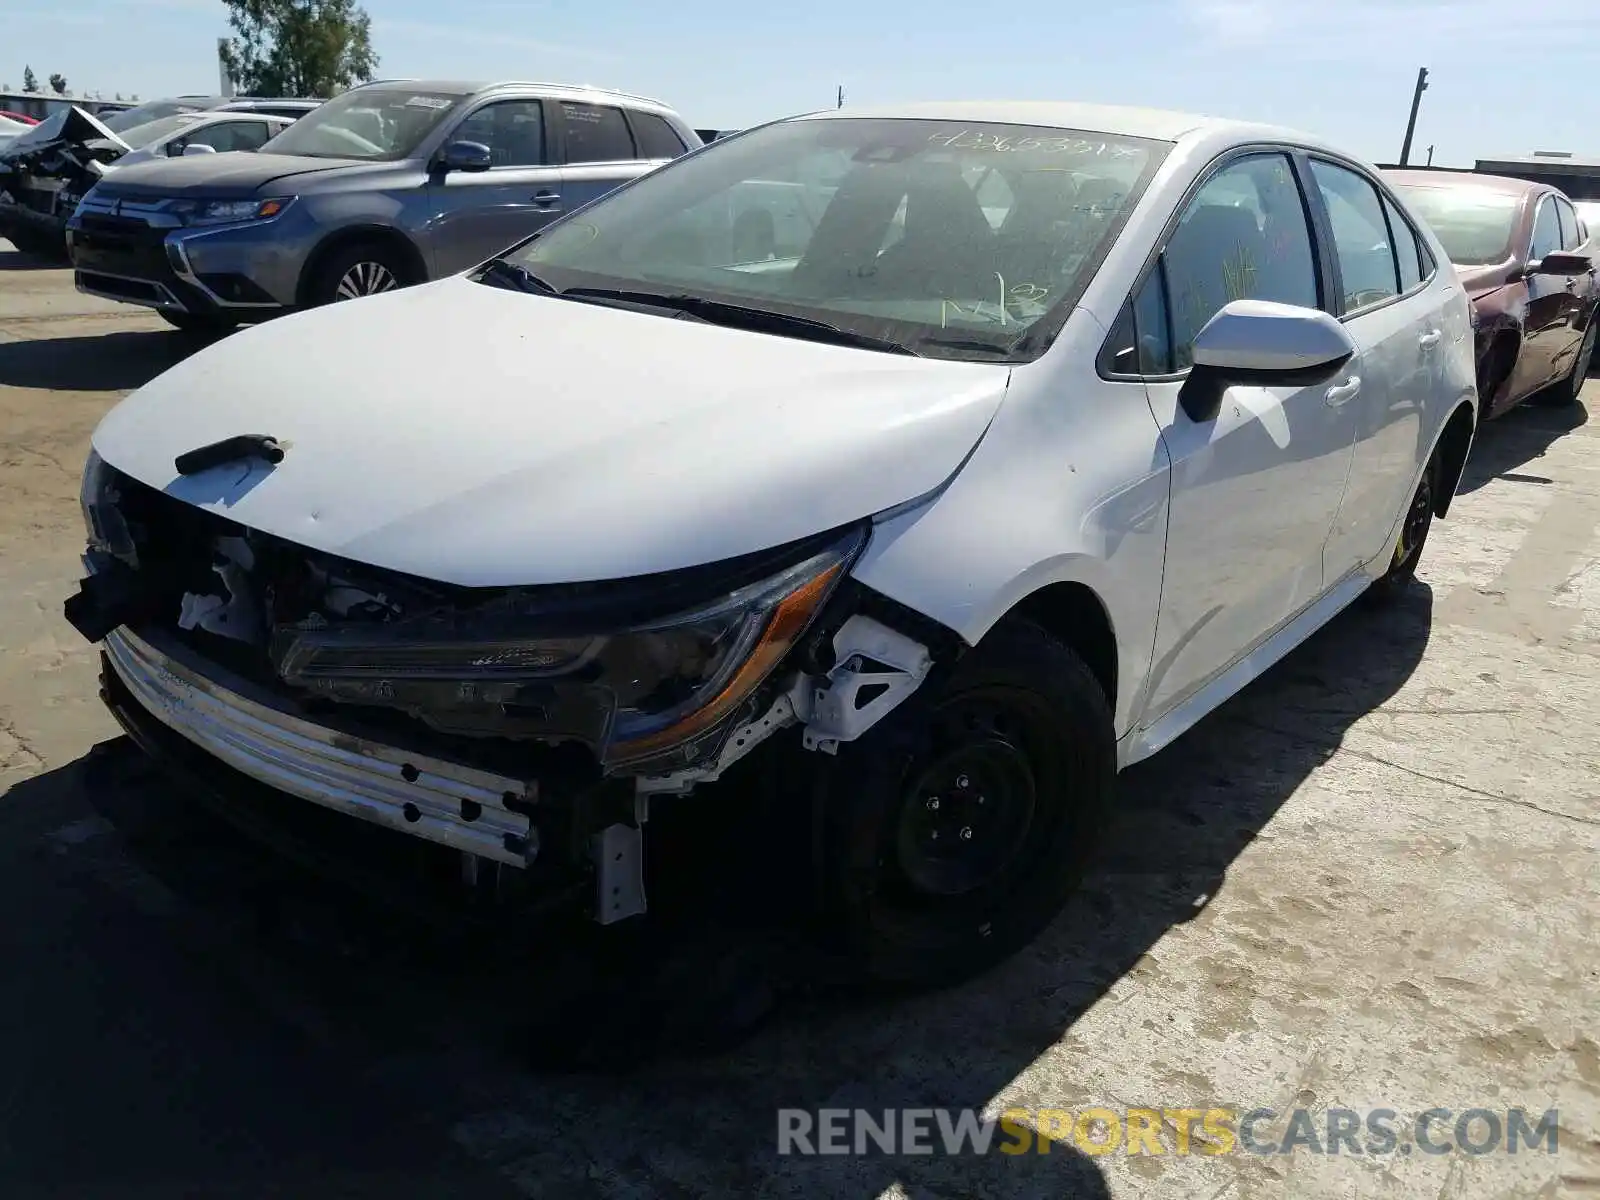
x: 1407, y: 252
x: 1361, y: 240
x: 596, y: 133
x: 1571, y: 239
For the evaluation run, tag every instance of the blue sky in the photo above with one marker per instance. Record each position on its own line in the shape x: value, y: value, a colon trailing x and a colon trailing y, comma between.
x: 1347, y: 76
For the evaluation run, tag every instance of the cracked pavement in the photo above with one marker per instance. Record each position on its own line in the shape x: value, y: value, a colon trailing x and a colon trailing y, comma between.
x: 1369, y: 881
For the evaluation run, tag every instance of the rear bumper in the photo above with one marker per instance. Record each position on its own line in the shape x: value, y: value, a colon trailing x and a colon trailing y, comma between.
x: 254, y: 734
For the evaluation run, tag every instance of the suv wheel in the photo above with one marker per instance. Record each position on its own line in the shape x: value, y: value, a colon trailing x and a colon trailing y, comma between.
x: 365, y: 269
x: 957, y: 829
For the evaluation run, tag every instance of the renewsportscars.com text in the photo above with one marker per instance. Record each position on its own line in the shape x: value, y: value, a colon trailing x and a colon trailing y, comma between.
x: 1157, y: 1131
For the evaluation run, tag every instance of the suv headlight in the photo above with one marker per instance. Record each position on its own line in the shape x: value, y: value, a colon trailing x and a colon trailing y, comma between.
x: 224, y: 212
x: 651, y: 694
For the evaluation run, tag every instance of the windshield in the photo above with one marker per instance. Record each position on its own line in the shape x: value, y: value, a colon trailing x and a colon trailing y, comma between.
x: 1474, y: 224
x: 155, y: 131
x: 129, y: 118
x: 949, y: 239
x: 372, y: 123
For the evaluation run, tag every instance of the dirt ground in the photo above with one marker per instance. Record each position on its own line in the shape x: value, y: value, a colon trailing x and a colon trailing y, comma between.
x: 1369, y: 882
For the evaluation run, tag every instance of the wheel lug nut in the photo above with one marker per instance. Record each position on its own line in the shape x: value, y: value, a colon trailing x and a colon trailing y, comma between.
x: 962, y: 781
x: 980, y: 799
x: 966, y: 833
x: 933, y: 804
x: 934, y: 836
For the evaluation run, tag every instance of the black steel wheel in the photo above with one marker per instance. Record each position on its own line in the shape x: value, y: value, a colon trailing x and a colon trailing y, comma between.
x: 956, y: 829
x: 1414, y: 527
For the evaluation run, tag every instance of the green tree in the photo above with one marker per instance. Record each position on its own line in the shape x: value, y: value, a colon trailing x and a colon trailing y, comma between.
x: 58, y: 84
x: 30, y: 81
x: 298, y: 47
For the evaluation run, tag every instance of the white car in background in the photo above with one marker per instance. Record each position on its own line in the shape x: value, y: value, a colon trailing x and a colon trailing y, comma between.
x: 197, y: 133
x: 1589, y: 217
x: 1059, y: 426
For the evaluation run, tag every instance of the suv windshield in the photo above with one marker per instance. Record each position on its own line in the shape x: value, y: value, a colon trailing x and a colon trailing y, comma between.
x: 950, y: 239
x: 370, y: 123
x: 1474, y: 224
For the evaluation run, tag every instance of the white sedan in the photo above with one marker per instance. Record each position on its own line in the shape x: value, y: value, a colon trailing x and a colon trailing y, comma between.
x: 197, y: 133
x: 1060, y: 425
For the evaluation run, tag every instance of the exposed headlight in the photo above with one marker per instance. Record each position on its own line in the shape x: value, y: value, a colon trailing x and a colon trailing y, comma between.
x: 654, y: 694
x: 104, y: 528
x: 223, y: 212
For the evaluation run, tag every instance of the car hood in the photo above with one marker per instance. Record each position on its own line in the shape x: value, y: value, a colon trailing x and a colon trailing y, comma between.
x: 72, y: 126
x: 219, y: 174
x: 1479, y: 281
x: 485, y: 437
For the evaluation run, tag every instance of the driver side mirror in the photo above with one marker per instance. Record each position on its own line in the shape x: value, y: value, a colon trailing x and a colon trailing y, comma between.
x: 194, y: 148
x: 466, y: 156
x: 1263, y: 343
x: 1560, y: 262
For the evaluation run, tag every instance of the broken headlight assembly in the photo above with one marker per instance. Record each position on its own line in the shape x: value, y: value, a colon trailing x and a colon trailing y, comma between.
x: 654, y: 695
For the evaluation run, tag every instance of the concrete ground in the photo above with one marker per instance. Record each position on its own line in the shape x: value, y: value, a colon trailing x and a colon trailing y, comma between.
x: 1369, y: 882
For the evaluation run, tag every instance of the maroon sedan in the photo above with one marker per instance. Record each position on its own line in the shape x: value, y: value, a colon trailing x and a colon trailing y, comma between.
x: 1521, y: 252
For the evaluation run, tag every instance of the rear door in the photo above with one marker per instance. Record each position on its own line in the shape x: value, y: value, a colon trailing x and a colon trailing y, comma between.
x: 1581, y: 287
x: 477, y: 214
x: 598, y: 149
x: 1386, y: 305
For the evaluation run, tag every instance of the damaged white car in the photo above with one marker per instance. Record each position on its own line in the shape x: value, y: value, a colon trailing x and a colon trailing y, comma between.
x: 1058, y: 426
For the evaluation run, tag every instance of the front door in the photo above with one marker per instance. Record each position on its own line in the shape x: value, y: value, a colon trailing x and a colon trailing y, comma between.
x: 477, y: 214
x: 1545, y: 331
x: 1255, y: 489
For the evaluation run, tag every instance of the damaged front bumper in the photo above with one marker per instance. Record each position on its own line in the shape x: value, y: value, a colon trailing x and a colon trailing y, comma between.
x: 255, y: 733
x: 437, y: 718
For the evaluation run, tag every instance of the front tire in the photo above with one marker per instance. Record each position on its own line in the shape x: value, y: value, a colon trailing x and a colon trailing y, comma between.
x: 363, y: 269
x: 199, y: 324
x: 956, y: 830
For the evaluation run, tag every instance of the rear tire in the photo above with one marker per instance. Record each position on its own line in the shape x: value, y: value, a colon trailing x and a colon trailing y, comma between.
x: 1011, y: 761
x: 39, y: 245
x: 199, y: 324
x: 361, y: 269
x: 1414, y: 528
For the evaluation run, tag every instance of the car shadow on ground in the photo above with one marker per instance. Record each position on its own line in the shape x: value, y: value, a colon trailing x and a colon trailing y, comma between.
x: 1509, y: 445
x: 19, y: 260
x: 269, y: 999
x: 100, y: 362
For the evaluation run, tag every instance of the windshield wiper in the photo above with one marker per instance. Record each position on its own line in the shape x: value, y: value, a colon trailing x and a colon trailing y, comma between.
x: 741, y: 316
x: 998, y: 349
x: 518, y: 277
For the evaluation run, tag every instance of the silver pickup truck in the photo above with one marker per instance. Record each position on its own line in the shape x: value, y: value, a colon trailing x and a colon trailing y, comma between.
x: 389, y: 184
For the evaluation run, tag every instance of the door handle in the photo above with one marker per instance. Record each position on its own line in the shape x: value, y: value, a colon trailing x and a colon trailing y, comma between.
x: 546, y: 198
x: 1430, y: 339
x: 1343, y: 393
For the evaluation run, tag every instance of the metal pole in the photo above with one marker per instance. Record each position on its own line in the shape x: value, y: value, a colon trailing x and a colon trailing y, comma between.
x: 1430, y: 156
x: 840, y: 104
x: 1411, y: 123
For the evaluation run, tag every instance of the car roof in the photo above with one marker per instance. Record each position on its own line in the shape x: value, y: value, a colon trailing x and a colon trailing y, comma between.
x: 471, y: 88
x: 1155, y: 123
x: 1448, y: 179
